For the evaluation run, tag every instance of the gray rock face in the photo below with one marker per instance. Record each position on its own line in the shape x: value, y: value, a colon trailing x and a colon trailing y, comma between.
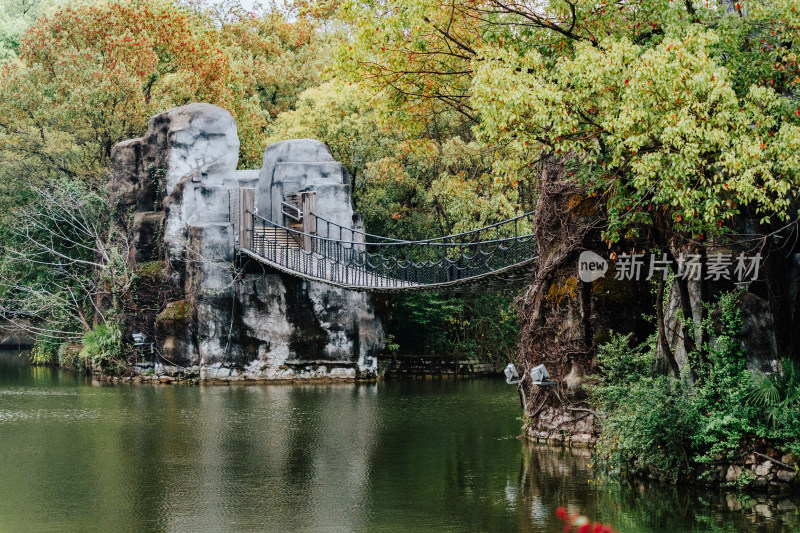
x: 175, y: 192
x: 303, y: 165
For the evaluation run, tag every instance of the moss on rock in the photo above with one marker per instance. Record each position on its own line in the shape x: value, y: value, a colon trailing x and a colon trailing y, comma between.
x: 178, y: 312
x: 152, y: 269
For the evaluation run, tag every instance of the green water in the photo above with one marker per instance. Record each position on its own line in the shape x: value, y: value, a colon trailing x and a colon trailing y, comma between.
x: 397, y: 456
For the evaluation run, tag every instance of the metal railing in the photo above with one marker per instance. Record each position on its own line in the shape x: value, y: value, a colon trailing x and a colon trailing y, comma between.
x: 291, y: 211
x: 345, y: 256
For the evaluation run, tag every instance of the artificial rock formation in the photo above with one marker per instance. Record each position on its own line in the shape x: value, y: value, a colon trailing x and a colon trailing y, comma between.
x: 174, y: 194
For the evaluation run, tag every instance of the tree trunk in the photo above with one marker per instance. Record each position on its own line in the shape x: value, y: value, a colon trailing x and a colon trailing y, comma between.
x: 663, y: 342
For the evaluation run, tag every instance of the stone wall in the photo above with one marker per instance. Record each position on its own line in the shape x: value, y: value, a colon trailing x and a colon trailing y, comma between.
x: 212, y: 314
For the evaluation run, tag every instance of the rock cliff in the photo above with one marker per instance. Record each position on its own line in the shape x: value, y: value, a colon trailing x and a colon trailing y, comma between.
x: 174, y: 195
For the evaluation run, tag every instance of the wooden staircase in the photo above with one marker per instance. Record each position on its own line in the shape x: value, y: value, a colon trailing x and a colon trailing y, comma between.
x: 276, y: 235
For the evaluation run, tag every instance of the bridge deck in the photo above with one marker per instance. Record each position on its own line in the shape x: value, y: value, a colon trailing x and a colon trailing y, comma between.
x: 511, y: 277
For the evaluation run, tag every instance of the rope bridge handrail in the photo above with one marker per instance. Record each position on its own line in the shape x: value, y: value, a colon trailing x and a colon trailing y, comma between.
x: 526, y: 219
x: 394, y: 264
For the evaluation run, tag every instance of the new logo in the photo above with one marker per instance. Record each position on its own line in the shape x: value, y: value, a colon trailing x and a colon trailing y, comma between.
x: 591, y: 266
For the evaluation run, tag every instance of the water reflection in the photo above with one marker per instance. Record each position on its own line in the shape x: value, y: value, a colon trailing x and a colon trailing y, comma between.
x: 424, y: 456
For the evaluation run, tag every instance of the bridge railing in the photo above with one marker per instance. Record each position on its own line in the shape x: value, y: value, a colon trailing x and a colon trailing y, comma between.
x: 513, y: 227
x: 347, y: 257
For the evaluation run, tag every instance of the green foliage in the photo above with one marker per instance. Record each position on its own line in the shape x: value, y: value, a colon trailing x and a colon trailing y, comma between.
x: 482, y: 326
x: 777, y: 391
x: 407, y: 182
x: 58, y: 271
x: 723, y: 385
x: 680, y: 113
x: 102, y: 346
x: 16, y: 16
x: 621, y: 363
x: 664, y: 427
x: 700, y: 152
x: 649, y: 419
x: 44, y: 352
x: 777, y: 395
x: 391, y: 345
x: 69, y: 356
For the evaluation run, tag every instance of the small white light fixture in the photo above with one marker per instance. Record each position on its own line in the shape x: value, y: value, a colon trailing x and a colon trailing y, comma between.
x: 512, y: 376
x: 540, y: 375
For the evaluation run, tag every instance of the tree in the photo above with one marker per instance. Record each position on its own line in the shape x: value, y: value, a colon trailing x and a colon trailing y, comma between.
x: 680, y: 114
x: 653, y: 124
x: 660, y: 132
x: 425, y: 181
x: 60, y: 273
x: 416, y: 55
x: 16, y: 16
x: 91, y: 75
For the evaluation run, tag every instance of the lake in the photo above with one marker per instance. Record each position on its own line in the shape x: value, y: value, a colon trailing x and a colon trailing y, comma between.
x: 78, y: 455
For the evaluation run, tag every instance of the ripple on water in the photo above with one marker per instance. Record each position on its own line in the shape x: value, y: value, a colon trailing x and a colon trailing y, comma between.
x: 37, y: 391
x: 7, y: 415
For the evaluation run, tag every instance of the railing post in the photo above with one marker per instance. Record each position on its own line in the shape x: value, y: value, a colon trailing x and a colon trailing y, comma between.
x: 246, y: 205
x: 309, y: 202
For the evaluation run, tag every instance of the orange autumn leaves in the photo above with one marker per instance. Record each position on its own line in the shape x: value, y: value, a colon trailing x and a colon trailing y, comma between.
x: 90, y: 76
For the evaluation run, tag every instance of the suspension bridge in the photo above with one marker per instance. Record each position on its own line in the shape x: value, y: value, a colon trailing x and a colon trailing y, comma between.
x: 495, y: 257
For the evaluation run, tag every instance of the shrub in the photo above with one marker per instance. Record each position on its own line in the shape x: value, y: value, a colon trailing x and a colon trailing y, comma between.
x: 663, y: 427
x: 649, y: 422
x: 723, y: 385
x: 777, y: 395
x: 102, y: 346
x: 69, y: 356
x: 44, y: 352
